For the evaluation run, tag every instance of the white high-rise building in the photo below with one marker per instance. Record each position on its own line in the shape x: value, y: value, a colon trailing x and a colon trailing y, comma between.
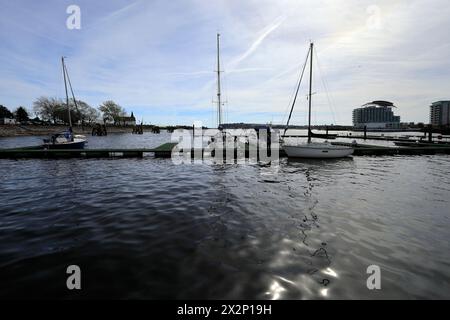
x: 440, y: 113
x: 377, y: 115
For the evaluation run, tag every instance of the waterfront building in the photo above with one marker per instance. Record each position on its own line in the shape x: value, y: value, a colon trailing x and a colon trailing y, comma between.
x: 376, y: 115
x: 125, y: 121
x: 440, y: 113
x: 7, y: 121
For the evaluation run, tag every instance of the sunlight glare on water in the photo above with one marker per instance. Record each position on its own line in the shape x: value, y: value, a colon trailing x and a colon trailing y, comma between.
x: 146, y: 228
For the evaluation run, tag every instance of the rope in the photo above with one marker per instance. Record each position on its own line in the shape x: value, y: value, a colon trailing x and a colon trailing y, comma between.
x: 325, y: 86
x: 73, y: 96
x: 296, y: 91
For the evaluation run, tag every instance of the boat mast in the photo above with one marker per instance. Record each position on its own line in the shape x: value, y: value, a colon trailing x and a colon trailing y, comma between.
x: 219, y: 102
x: 310, y: 90
x: 73, y: 96
x: 296, y: 92
x: 67, y: 95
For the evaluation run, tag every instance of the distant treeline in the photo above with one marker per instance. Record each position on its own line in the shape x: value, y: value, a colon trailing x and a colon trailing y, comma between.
x: 53, y: 110
x: 20, y: 114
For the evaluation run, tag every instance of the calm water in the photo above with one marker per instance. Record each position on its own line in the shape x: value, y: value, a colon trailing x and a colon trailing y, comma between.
x: 146, y: 228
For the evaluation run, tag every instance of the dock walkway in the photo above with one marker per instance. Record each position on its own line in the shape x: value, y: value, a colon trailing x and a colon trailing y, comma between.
x: 162, y: 151
x: 373, y: 150
x: 165, y: 151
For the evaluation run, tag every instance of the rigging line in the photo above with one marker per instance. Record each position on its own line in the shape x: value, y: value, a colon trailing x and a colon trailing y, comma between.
x: 289, y: 102
x: 225, y: 102
x: 285, y: 113
x: 226, y: 96
x: 212, y: 112
x: 296, y: 92
x: 73, y: 96
x: 325, y: 86
x: 67, y: 95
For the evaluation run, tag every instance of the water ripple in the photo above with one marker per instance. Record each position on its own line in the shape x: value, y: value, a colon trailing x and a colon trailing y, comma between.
x: 146, y: 228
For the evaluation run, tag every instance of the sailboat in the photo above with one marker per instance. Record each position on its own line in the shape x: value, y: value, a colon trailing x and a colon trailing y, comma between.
x: 66, y: 140
x: 312, y: 149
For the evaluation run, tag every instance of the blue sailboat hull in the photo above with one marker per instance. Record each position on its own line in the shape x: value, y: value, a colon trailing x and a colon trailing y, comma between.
x: 66, y: 145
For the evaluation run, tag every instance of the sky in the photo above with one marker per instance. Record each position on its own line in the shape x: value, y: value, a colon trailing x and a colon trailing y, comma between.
x: 157, y: 59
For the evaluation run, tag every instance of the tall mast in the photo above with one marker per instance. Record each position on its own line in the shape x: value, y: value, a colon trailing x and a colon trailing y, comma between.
x: 73, y: 96
x: 67, y: 94
x: 296, y: 91
x: 310, y: 90
x: 219, y: 102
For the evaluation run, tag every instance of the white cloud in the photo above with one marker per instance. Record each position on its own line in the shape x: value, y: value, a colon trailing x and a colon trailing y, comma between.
x: 264, y: 33
x: 161, y: 55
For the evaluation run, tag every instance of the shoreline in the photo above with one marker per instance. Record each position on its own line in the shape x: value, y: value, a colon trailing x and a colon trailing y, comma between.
x: 43, y: 130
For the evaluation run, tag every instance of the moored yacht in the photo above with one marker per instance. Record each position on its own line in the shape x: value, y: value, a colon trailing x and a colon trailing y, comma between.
x: 66, y: 140
x: 317, y: 150
x: 312, y: 149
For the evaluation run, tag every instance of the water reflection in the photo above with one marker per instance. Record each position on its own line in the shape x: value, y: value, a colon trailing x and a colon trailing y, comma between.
x: 275, y: 291
x: 304, y: 229
x: 330, y: 272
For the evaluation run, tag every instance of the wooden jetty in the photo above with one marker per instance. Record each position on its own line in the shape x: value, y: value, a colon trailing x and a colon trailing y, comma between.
x: 373, y: 150
x: 165, y: 151
x: 359, y: 150
x: 162, y: 151
x: 421, y: 144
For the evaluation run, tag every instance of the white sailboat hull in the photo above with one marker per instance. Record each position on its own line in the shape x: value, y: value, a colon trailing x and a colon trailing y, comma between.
x: 317, y: 150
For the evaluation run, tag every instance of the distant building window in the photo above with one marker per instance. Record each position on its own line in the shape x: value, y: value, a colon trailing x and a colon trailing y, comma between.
x: 125, y: 121
x: 376, y: 114
x: 7, y: 121
x: 440, y: 113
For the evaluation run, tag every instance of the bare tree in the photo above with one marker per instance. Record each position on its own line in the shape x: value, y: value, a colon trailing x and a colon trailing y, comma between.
x: 88, y: 114
x: 54, y: 109
x: 48, y: 108
x: 111, y: 110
